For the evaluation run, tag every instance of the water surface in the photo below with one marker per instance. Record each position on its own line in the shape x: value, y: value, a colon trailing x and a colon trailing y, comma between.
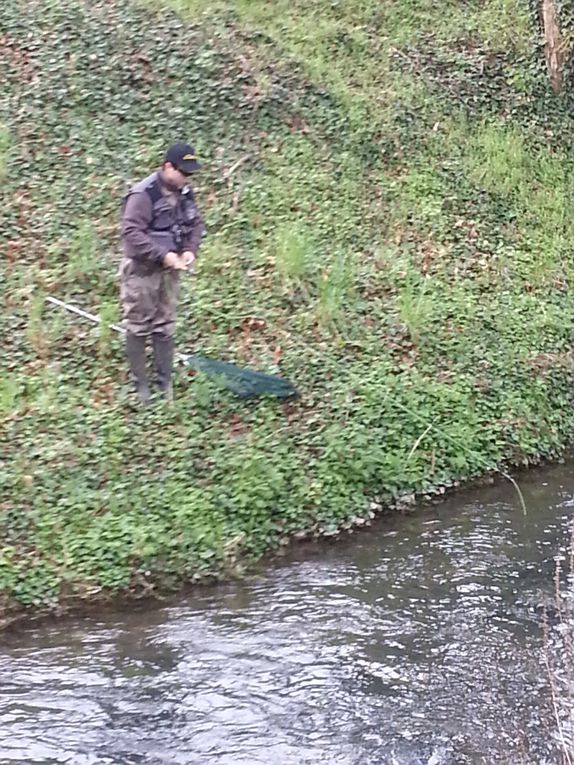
x: 415, y: 641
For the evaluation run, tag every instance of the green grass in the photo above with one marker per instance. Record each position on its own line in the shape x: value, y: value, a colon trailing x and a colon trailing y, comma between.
x: 395, y: 236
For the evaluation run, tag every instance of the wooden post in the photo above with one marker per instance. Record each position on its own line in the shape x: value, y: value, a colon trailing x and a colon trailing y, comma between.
x: 553, y: 44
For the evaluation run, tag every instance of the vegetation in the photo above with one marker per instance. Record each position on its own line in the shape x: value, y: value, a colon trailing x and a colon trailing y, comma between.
x: 386, y: 190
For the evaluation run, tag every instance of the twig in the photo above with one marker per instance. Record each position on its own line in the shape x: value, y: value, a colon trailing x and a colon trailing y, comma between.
x: 417, y: 442
x: 406, y: 58
x: 235, y: 166
x: 516, y: 486
x: 553, y: 692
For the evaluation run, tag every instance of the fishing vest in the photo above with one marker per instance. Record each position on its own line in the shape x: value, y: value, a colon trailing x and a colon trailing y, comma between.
x: 170, y: 224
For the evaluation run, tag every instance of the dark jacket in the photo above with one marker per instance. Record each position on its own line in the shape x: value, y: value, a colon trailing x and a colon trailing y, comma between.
x: 156, y: 220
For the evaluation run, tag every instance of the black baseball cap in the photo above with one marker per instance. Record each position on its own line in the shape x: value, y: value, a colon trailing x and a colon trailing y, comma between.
x: 182, y: 156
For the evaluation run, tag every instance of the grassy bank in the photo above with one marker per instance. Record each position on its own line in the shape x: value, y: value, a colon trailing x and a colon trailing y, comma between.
x: 385, y: 187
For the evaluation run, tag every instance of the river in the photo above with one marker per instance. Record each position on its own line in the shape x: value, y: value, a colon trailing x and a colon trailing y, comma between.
x: 417, y: 641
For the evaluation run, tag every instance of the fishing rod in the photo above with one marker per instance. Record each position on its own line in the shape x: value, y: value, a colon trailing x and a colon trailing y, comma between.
x: 455, y: 442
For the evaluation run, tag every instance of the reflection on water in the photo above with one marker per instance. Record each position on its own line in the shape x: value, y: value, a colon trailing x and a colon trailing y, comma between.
x: 416, y: 641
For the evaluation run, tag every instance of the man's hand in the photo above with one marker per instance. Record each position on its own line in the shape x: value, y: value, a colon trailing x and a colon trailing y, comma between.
x: 175, y: 261
x: 188, y: 258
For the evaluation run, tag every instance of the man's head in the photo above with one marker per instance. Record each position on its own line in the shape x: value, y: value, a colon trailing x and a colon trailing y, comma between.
x: 179, y: 163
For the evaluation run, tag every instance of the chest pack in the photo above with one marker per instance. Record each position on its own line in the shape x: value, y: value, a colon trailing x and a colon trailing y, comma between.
x: 173, y: 216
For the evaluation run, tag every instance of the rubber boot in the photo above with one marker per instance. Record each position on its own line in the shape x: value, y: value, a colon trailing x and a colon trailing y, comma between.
x: 135, y: 352
x: 163, y: 357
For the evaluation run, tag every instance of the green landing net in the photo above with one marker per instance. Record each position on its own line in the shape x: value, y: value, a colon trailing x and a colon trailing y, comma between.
x: 245, y: 383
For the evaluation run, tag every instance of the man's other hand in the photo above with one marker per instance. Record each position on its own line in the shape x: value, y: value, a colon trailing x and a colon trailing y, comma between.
x: 175, y: 261
x: 188, y: 258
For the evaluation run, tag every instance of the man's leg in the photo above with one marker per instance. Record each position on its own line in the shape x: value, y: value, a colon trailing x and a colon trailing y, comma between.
x: 139, y: 296
x: 163, y: 357
x: 136, y: 355
x: 164, y: 331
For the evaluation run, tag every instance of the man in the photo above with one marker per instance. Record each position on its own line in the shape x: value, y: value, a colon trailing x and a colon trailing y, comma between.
x: 161, y: 233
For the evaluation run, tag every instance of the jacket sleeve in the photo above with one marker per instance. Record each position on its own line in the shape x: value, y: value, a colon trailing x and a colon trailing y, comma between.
x: 136, y: 221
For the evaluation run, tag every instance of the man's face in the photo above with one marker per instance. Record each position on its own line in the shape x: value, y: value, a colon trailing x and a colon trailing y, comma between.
x: 173, y: 176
